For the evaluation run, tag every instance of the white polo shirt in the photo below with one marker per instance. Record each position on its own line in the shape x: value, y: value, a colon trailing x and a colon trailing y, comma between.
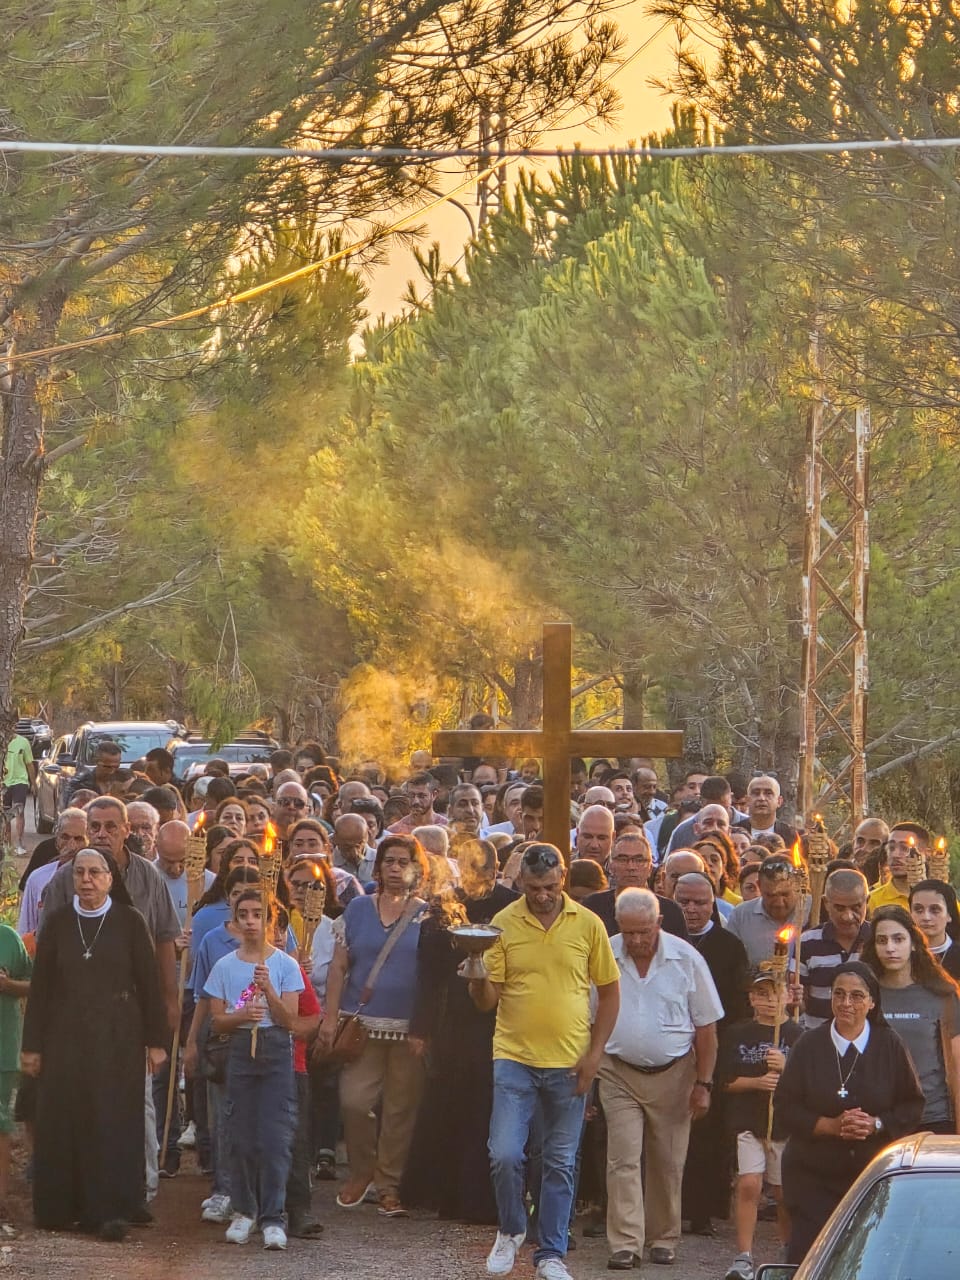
x: 660, y: 1013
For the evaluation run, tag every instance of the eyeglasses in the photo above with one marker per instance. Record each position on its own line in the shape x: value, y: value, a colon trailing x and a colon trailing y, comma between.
x: 291, y: 802
x: 625, y: 861
x: 540, y: 857
x: 849, y: 997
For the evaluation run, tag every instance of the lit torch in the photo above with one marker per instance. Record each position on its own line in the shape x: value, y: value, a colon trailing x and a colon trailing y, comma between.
x: 803, y: 888
x: 777, y: 966
x: 818, y: 855
x: 195, y: 862
x: 268, y: 864
x: 916, y: 871
x: 939, y: 862
x: 314, y: 901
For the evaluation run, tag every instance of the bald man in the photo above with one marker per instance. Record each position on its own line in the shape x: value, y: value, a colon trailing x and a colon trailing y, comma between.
x: 763, y: 802
x: 593, y: 837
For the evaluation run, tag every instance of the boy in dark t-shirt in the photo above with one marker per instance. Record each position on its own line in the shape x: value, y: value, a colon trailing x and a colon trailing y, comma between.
x: 749, y: 1069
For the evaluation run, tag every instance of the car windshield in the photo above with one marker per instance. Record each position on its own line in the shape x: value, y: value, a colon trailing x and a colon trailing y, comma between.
x: 133, y: 743
x: 905, y: 1228
x: 232, y: 752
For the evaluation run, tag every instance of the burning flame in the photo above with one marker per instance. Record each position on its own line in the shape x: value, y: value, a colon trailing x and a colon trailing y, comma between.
x: 317, y: 873
x: 796, y: 855
x: 911, y: 841
x: 941, y: 845
x: 269, y: 839
x: 201, y: 819
x: 817, y: 817
x: 785, y: 934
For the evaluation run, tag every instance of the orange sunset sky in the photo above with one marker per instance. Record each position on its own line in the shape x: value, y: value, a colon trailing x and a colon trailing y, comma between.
x: 643, y: 110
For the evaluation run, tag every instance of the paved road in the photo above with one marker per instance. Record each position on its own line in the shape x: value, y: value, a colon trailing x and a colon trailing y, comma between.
x: 356, y: 1244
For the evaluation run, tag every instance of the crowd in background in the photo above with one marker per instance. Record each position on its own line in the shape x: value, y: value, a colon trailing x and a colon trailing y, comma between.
x: 626, y: 1044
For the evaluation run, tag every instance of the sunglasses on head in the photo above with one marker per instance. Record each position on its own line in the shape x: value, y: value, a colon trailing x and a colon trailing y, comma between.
x: 540, y: 857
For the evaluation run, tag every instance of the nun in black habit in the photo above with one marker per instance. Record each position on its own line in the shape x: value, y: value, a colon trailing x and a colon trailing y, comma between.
x: 94, y: 1021
x: 849, y: 1088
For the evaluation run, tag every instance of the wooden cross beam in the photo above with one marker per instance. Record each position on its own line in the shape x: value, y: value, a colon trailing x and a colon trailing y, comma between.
x: 557, y: 741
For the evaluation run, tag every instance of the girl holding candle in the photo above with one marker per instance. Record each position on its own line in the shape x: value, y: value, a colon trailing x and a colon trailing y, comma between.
x: 257, y: 986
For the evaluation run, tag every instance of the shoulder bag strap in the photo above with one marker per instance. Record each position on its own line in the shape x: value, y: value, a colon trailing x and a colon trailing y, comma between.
x: 409, y: 911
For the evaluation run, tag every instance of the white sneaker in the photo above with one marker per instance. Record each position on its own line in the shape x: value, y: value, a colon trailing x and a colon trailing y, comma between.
x: 741, y: 1268
x: 274, y: 1238
x: 21, y: 851
x: 216, y: 1209
x: 503, y: 1255
x: 552, y: 1269
x: 239, y: 1229
x: 189, y: 1136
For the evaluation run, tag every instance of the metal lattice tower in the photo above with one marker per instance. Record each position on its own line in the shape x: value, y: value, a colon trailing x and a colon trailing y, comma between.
x: 836, y: 569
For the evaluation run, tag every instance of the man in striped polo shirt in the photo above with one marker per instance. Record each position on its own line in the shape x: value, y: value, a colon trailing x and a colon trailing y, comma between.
x: 840, y: 939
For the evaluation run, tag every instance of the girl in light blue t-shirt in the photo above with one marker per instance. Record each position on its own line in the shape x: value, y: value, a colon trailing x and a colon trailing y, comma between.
x: 257, y: 986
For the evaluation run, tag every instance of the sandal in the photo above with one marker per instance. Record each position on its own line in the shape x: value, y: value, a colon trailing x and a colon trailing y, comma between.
x: 353, y: 1194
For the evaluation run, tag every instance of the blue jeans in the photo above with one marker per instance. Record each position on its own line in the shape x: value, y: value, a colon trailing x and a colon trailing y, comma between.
x: 518, y: 1091
x: 261, y: 1116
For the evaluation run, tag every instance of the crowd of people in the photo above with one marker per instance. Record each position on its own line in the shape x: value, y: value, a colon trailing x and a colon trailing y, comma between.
x: 662, y: 1029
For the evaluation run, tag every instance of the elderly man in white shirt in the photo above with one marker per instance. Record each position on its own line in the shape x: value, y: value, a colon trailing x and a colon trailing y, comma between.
x: 656, y: 1076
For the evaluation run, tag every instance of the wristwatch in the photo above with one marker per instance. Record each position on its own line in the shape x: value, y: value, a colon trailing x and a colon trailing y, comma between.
x: 877, y: 1123
x: 705, y: 1084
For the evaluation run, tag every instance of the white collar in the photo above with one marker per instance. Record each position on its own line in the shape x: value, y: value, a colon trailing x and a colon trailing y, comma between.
x: 92, y: 915
x: 842, y: 1045
x: 703, y: 932
x: 942, y: 951
x: 762, y: 831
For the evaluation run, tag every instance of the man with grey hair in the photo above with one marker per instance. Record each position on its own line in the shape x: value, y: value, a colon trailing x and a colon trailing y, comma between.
x: 594, y: 834
x: 291, y: 803
x: 144, y: 823
x: 70, y: 834
x: 840, y: 938
x: 350, y: 849
x: 656, y: 1075
x: 763, y: 801
x: 436, y: 844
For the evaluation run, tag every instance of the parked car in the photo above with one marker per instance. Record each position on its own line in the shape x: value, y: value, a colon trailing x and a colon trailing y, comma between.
x: 37, y: 733
x: 48, y: 781
x: 190, y: 754
x: 78, y: 751
x: 897, y: 1222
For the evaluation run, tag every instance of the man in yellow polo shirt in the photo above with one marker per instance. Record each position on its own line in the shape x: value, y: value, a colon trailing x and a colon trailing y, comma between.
x: 905, y: 838
x: 538, y: 976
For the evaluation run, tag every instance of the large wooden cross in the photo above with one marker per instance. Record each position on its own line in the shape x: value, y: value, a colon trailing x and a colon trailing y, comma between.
x: 557, y: 741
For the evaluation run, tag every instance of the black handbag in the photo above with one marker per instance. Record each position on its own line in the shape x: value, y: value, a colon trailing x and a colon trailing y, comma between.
x: 212, y: 1051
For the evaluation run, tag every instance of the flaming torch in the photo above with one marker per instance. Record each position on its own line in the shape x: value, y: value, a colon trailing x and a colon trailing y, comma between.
x: 268, y: 864
x: 916, y: 871
x: 939, y: 862
x: 314, y: 900
x: 818, y: 855
x: 195, y: 862
x: 803, y: 888
x: 777, y: 967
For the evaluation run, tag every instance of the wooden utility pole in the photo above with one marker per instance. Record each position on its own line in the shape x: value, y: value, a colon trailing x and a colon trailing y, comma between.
x: 836, y: 575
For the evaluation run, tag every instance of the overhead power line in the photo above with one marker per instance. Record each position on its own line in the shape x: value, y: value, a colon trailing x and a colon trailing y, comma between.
x: 383, y: 155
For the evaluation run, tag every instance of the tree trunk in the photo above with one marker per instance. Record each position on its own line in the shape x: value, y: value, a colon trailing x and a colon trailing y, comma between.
x: 526, y: 704
x: 635, y: 685
x: 21, y: 475
x: 687, y: 711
